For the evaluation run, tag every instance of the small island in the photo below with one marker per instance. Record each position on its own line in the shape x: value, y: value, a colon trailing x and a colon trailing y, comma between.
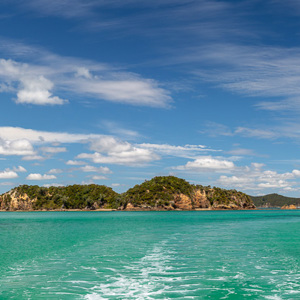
x: 158, y: 194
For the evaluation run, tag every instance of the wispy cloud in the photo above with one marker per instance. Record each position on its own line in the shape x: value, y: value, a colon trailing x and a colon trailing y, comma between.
x: 187, y: 151
x: 33, y: 82
x: 119, y: 130
x: 283, y: 129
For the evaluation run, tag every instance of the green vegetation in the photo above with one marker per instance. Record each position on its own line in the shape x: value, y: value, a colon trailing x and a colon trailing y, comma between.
x: 218, y: 196
x: 70, y: 197
x: 274, y: 200
x: 158, y: 190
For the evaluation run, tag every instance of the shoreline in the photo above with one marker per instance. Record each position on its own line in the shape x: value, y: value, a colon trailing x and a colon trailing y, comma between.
x: 135, y: 210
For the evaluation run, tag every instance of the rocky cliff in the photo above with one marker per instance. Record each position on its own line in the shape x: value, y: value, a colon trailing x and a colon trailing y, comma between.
x: 11, y: 201
x: 292, y: 206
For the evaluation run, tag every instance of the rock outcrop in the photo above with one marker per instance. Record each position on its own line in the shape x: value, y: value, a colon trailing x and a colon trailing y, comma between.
x: 292, y: 206
x: 12, y: 201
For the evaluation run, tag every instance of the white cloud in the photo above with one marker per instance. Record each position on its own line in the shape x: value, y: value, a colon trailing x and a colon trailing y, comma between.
x: 128, y: 90
x: 119, y: 130
x: 33, y: 88
x: 37, y: 91
x: 36, y: 176
x: 83, y: 72
x: 55, y: 171
x: 259, y: 133
x: 15, y: 147
x: 254, y: 178
x: 207, y: 163
x: 53, y: 149
x: 34, y: 83
x: 109, y: 144
x: 88, y: 168
x: 8, y: 174
x: 6, y: 183
x: 118, y: 152
x: 47, y: 185
x: 187, y: 151
x: 97, y: 177
x: 33, y: 157
x: 263, y: 132
x: 241, y: 151
x: 36, y: 136
x: 132, y: 157
x: 19, y: 169
x: 75, y: 163
x: 296, y: 173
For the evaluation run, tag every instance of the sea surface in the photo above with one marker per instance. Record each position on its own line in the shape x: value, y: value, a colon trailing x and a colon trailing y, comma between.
x: 150, y: 255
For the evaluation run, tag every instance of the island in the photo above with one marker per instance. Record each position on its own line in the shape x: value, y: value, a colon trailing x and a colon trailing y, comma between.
x: 276, y: 201
x: 159, y: 194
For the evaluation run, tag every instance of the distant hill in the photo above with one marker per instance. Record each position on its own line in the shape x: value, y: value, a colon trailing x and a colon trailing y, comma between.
x: 274, y: 200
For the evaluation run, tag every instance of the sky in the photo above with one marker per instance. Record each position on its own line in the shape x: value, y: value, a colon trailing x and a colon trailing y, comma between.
x: 117, y: 92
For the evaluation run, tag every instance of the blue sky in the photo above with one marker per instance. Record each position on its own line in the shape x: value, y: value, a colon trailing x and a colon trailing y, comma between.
x: 116, y: 92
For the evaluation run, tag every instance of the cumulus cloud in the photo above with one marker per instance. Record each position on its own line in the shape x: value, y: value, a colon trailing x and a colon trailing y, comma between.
x: 32, y: 87
x: 8, y: 174
x: 110, y: 150
x: 207, y: 163
x: 37, y: 176
x: 255, y: 178
x: 132, y: 158
x: 47, y: 185
x: 36, y: 90
x: 16, y: 147
x: 75, y: 162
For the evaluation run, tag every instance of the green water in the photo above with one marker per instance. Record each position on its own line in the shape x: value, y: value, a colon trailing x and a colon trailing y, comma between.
x: 150, y: 255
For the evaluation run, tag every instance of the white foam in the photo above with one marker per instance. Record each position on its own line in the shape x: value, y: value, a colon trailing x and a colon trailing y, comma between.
x: 148, y: 277
x: 275, y: 297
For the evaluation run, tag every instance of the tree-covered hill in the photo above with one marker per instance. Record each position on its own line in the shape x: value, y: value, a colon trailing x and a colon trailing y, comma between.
x: 274, y: 200
x: 75, y: 196
x: 159, y: 193
x: 170, y: 192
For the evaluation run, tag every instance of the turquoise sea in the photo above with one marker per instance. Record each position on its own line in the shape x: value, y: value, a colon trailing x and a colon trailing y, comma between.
x: 150, y: 255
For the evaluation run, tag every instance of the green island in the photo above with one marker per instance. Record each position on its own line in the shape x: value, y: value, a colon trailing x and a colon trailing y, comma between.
x: 275, y: 201
x: 159, y: 193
